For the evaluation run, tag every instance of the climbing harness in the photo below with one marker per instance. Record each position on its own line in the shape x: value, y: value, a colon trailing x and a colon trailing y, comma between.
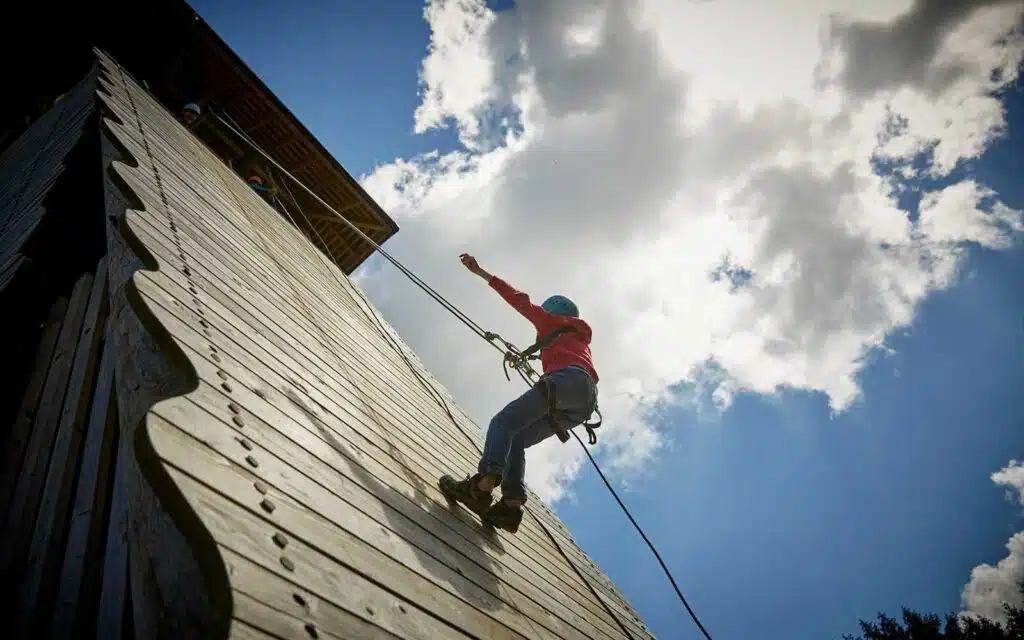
x: 546, y: 386
x: 520, y: 362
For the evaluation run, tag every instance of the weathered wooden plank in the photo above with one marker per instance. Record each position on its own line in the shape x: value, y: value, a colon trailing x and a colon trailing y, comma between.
x: 46, y: 549
x: 558, y: 525
x: 33, y: 141
x: 12, y: 270
x: 169, y: 593
x: 274, y: 592
x: 114, y: 586
x: 18, y: 438
x: 253, y: 614
x: 85, y: 531
x: 289, y: 286
x: 293, y: 344
x: 242, y: 630
x: 584, y: 567
x: 588, y: 594
x: 252, y: 536
x: 551, y: 521
x: 272, y: 335
x: 18, y: 234
x: 425, y: 491
x: 236, y: 483
x: 425, y: 411
x: 362, y: 515
x: 22, y: 515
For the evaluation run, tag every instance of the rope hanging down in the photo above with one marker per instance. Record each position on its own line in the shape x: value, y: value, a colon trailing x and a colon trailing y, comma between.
x: 369, y: 311
x: 512, y: 357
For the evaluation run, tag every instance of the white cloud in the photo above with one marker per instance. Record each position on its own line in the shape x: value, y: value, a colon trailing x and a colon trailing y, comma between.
x: 623, y: 152
x: 457, y: 30
x: 1012, y: 477
x: 991, y: 586
x: 955, y: 214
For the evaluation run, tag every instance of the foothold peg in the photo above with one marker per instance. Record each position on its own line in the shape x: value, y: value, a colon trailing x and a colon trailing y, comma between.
x: 234, y: 407
x: 215, y: 356
x: 401, y: 607
x: 287, y: 563
x: 369, y: 610
x: 186, y: 271
x: 252, y: 461
x: 311, y: 630
x: 260, y: 393
x: 238, y: 421
x: 260, y: 486
x: 221, y: 374
x: 225, y: 386
x: 267, y: 505
x: 203, y: 323
x: 299, y: 600
x: 282, y: 542
x: 245, y: 444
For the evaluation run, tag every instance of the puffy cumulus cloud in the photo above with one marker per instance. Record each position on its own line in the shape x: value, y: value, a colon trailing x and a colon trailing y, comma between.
x: 703, y: 179
x: 991, y: 586
x: 1012, y: 477
x: 457, y: 26
x: 920, y: 48
x: 957, y: 213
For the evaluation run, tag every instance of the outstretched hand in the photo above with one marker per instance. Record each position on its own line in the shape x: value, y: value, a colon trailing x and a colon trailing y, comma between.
x: 470, y: 263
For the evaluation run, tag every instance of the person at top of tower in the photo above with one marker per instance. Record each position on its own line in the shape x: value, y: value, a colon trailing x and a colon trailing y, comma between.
x: 190, y: 114
x: 564, y: 397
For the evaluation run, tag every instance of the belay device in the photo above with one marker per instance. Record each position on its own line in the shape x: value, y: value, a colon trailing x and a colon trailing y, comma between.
x: 520, y: 362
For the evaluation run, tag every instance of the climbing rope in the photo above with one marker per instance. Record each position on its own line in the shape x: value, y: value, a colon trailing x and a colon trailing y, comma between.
x: 439, y: 398
x: 512, y: 356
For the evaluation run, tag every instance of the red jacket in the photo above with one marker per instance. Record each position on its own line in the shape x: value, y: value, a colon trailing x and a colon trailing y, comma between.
x: 571, y: 348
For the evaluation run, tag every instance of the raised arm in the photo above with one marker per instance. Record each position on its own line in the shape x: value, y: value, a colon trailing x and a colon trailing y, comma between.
x: 516, y: 299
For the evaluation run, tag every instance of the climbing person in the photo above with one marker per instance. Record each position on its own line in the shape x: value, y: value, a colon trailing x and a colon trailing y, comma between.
x: 563, y: 398
x: 190, y: 114
x: 257, y: 184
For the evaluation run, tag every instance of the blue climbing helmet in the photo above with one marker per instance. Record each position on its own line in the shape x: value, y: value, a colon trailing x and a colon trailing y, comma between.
x: 561, y: 306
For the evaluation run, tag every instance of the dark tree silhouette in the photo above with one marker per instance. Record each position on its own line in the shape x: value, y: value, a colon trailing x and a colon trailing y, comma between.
x: 916, y: 626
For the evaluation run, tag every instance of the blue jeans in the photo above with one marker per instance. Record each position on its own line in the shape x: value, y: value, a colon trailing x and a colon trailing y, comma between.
x: 524, y: 423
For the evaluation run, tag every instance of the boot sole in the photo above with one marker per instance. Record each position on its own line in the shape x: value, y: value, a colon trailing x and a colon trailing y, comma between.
x: 458, y: 500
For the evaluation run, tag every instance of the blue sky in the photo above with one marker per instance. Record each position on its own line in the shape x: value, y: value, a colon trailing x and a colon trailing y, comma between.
x: 773, y: 515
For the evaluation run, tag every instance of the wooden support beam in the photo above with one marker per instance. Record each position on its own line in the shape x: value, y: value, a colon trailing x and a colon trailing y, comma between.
x: 113, y: 594
x: 22, y: 427
x: 22, y: 514
x: 313, y: 160
x: 259, y: 126
x: 168, y: 593
x: 81, y: 570
x: 46, y: 550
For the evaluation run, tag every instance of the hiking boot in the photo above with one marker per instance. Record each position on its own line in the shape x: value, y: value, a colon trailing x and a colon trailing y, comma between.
x: 504, y: 516
x: 466, y: 492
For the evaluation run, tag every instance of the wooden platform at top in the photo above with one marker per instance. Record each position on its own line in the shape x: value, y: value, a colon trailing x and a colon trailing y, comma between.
x: 309, y: 449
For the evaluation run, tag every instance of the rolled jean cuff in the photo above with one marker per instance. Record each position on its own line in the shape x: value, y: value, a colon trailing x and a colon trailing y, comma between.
x: 491, y: 467
x: 514, y: 494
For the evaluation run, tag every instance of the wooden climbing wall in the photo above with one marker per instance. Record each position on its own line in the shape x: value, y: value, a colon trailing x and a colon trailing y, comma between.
x: 28, y: 170
x: 306, y: 452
